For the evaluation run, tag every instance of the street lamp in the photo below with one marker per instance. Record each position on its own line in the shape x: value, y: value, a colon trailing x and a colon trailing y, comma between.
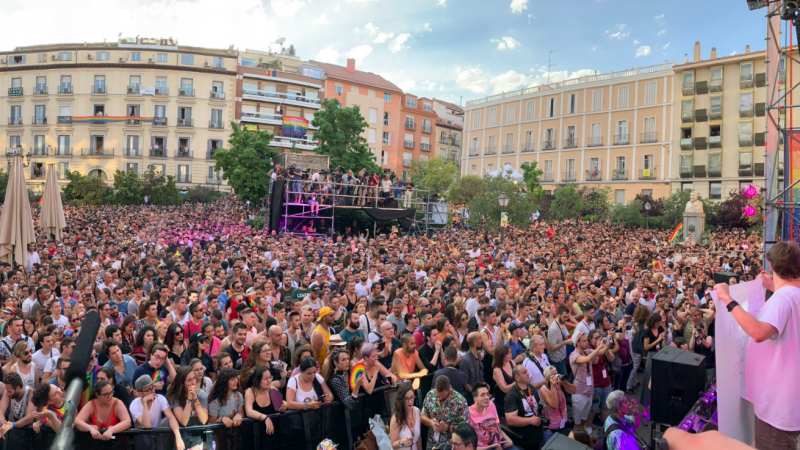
x: 502, y: 200
x: 647, y: 210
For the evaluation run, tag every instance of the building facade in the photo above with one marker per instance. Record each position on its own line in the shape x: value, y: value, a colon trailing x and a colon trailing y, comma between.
x: 129, y: 105
x: 603, y: 130
x: 417, y: 131
x: 449, y: 131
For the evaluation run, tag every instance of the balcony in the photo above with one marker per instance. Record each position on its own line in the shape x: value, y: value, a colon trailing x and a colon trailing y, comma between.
x: 594, y: 175
x: 63, y: 151
x: 444, y: 141
x: 65, y: 89
x: 490, y: 150
x: 183, y: 178
x: 746, y: 110
x: 686, y: 172
x: 621, y: 139
x: 15, y: 92
x: 213, y: 180
x: 508, y: 149
x: 715, y: 142
x: 407, y: 162
x: 64, y: 120
x: 411, y: 126
x: 688, y: 88
x: 97, y: 152
x: 133, y: 122
x: 212, y: 125
x: 527, y: 147
x: 40, y: 151
x: 547, y: 177
x: 687, y: 116
x: 570, y: 143
x: 715, y: 85
x: 619, y: 174
x: 745, y: 139
x: 99, y: 90
x: 647, y: 174
x: 299, y: 143
x: 568, y: 177
x: 210, y: 154
x: 183, y: 153
x: 216, y: 95
x: 159, y: 121
x: 595, y: 141
x: 687, y: 144
x: 648, y: 137
x: 549, y: 145
x: 408, y: 144
x: 40, y: 90
x: 134, y: 89
x: 185, y: 123
x: 426, y: 128
x: 132, y: 152
x: 280, y: 97
x: 715, y: 171
x: 37, y: 173
x: 39, y: 120
x: 745, y: 81
x: 159, y: 152
x: 265, y: 118
x: 186, y: 92
x: 474, y: 151
x: 161, y: 92
x: 455, y: 142
x: 15, y: 121
x: 715, y: 113
x: 425, y: 147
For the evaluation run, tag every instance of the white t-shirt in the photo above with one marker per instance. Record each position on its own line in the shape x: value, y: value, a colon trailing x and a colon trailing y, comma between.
x: 301, y: 396
x: 156, y: 409
x: 41, y: 360
x: 61, y: 323
x: 649, y: 303
x: 773, y: 359
x: 472, y: 307
x: 582, y: 328
x: 27, y: 305
x: 362, y: 290
x: 533, y: 371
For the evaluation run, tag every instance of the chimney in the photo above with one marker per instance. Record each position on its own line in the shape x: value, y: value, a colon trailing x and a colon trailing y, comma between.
x: 696, y: 51
x: 746, y: 49
x: 686, y: 58
x: 351, y: 65
x: 713, y: 52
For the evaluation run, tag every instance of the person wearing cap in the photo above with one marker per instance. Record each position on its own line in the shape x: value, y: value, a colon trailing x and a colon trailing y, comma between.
x: 198, y: 343
x: 516, y: 345
x: 147, y: 410
x: 313, y: 300
x: 322, y: 334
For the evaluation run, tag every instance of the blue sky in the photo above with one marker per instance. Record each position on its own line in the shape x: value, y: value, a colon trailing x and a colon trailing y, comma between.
x: 451, y: 49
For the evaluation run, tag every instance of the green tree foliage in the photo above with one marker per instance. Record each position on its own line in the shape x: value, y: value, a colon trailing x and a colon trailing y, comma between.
x: 596, y: 201
x: 85, y: 191
x: 166, y: 193
x: 485, y: 205
x: 731, y: 210
x: 629, y: 215
x: 340, y: 136
x: 202, y: 194
x: 245, y: 165
x: 3, y: 184
x: 465, y: 189
x: 434, y: 175
x: 531, y: 173
x: 127, y: 188
x: 568, y: 203
x: 656, y: 205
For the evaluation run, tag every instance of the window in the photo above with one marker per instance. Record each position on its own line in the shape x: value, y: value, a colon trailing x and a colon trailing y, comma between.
x: 387, y: 138
x: 387, y: 97
x: 40, y: 114
x: 622, y: 132
x: 621, y: 163
x: 132, y: 167
x: 160, y: 111
x: 597, y: 100
x: 714, y: 162
x: 473, y: 169
x: 551, y: 107
x: 62, y: 169
x: 161, y: 83
x: 16, y: 116
x: 183, y: 174
x: 745, y: 159
x: 491, y: 147
x: 161, y: 57
x: 650, y: 92
x: 133, y: 146
x: 687, y: 186
x: 745, y: 101
x: 354, y: 89
x: 530, y: 108
x: 571, y: 138
x: 185, y: 116
x: 38, y: 145
x: 619, y: 196
x: 745, y: 130
x: 218, y: 62
x: 18, y: 59
x: 373, y: 115
x: 490, y: 167
x: 16, y: 82
x: 384, y: 157
x: 65, y: 85
x: 647, y: 193
x: 548, y: 169
x: 716, y: 76
x: 649, y: 129
x: 63, y: 144
x: 216, y: 117
x: 716, y: 105
x: 15, y: 141
x: 648, y: 162
x: 596, y: 138
x: 687, y: 109
x: 622, y: 97
x: 100, y: 83
x: 386, y: 119
x: 476, y: 119
x: 509, y: 148
x: 572, y: 103
x: 743, y: 185
x: 412, y: 102
x: 41, y: 85
x: 135, y: 82
x: 549, y: 138
x: 65, y: 56
x: 371, y: 93
x: 746, y: 72
x: 688, y: 80
x: 511, y: 112
x: 569, y: 174
x: 371, y: 135
x: 42, y: 57
x: 136, y: 56
x: 65, y: 110
x: 426, y: 106
x: 715, y: 190
x: 686, y: 164
x: 338, y: 88
x: 187, y: 59
x: 528, y: 141
x: 187, y: 85
x: 493, y: 117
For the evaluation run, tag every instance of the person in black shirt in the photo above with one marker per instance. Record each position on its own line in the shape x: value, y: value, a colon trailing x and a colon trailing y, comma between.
x: 458, y: 379
x: 522, y: 410
x: 412, y: 322
x: 430, y: 353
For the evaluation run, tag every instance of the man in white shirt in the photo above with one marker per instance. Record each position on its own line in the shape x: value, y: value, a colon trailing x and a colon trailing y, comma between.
x: 364, y: 285
x: 586, y: 325
x: 536, y: 362
x: 45, y: 353
x: 147, y: 411
x: 33, y: 258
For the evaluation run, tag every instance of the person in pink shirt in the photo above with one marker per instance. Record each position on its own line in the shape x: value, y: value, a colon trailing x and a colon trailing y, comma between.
x: 484, y: 419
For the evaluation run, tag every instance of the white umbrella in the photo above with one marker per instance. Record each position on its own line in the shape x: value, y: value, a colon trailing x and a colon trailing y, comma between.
x: 509, y: 172
x: 16, y: 222
x: 53, y: 220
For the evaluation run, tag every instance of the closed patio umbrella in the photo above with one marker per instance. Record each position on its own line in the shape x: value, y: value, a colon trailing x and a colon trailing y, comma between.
x: 16, y: 222
x: 52, y: 221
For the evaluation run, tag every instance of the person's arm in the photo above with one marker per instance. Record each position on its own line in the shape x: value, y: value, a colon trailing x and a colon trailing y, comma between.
x: 82, y: 417
x: 170, y: 370
x: 123, y: 417
x: 583, y: 359
x: 648, y: 346
x: 368, y: 386
x: 568, y: 387
x: 394, y: 435
x: 497, y: 375
x: 757, y: 330
x: 386, y: 373
x: 549, y: 397
x: 173, y: 425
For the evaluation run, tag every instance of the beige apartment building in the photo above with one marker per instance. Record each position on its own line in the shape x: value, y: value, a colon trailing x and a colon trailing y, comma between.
x: 449, y: 130
x: 137, y: 103
x: 720, y: 112
x: 611, y: 129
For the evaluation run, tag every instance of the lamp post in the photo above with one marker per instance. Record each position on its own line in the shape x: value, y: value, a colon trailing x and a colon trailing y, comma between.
x: 647, y: 210
x: 502, y: 200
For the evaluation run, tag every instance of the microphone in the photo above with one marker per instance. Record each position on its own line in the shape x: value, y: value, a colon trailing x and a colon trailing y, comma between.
x: 76, y: 379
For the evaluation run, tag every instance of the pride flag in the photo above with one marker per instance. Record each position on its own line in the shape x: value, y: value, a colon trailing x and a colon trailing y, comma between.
x: 91, y: 380
x: 675, y: 232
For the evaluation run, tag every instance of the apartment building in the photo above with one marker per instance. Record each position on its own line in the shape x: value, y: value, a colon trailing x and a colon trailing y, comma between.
x: 611, y: 129
x: 129, y: 105
x: 379, y: 101
x: 417, y: 130
x: 720, y: 117
x: 449, y: 130
x: 279, y: 93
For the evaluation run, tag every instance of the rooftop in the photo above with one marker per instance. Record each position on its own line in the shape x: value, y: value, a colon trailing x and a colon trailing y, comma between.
x: 358, y: 76
x: 449, y: 105
x: 163, y: 44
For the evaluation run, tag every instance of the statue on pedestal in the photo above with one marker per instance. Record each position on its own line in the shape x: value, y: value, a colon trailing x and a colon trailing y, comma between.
x: 694, y: 205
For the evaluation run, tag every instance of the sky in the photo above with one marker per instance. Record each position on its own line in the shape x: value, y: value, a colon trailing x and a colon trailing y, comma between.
x: 456, y: 50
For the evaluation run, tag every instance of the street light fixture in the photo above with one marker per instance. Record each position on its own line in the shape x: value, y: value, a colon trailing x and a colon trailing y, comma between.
x: 502, y: 200
x: 647, y: 210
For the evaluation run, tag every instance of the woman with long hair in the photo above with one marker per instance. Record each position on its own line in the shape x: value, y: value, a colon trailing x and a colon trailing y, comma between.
x: 354, y: 350
x: 404, y: 428
x: 502, y: 366
x: 145, y: 338
x: 188, y: 402
x: 175, y: 342
x: 307, y: 390
x: 462, y: 327
x: 128, y: 328
x: 197, y: 349
x: 203, y: 381
x: 161, y: 331
x: 120, y: 391
x: 339, y: 381
x: 29, y: 329
x: 655, y: 338
x: 261, y: 399
x: 104, y: 412
x: 260, y: 355
x: 226, y: 403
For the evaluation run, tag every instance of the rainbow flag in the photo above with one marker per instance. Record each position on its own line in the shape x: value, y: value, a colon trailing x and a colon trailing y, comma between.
x: 91, y: 379
x: 675, y: 232
x: 59, y: 411
x: 107, y: 119
x: 41, y: 199
x: 160, y: 375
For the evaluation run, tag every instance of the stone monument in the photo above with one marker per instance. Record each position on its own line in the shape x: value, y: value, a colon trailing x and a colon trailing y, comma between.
x: 694, y: 219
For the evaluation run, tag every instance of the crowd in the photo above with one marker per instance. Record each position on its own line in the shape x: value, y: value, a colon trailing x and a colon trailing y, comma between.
x: 205, y: 320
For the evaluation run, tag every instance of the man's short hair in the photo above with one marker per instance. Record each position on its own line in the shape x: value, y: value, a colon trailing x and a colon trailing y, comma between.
x: 442, y: 383
x: 427, y: 330
x: 424, y: 314
x: 65, y: 343
x: 480, y: 385
x: 783, y: 258
x: 468, y: 436
x: 450, y: 354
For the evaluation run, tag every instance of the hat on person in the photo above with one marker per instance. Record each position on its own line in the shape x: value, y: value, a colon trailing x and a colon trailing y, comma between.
x: 315, y: 288
x: 513, y: 327
x: 336, y: 340
x: 112, y: 304
x: 197, y: 336
x: 325, y: 311
x: 10, y: 310
x: 143, y: 382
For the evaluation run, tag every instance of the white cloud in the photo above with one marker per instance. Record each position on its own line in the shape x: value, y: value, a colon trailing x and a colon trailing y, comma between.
x: 407, y: 85
x: 372, y: 29
x: 595, y: 48
x: 666, y: 46
x: 287, y: 8
x: 428, y: 86
x: 660, y: 19
x: 397, y: 44
x: 328, y: 55
x: 360, y: 52
x: 517, y: 6
x: 475, y: 80
x: 506, y: 43
x: 442, y: 2
x: 383, y: 38
x: 733, y: 53
x: 643, y: 51
x: 337, y: 8
x: 619, y: 35
x: 636, y: 42
x: 662, y: 32
x: 427, y: 27
x: 322, y: 19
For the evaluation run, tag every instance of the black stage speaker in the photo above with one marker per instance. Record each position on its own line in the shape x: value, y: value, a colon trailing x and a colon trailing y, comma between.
x: 561, y: 442
x: 724, y: 277
x: 678, y: 378
x: 276, y: 204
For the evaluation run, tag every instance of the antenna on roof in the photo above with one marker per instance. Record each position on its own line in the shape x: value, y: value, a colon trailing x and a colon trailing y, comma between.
x: 550, y: 64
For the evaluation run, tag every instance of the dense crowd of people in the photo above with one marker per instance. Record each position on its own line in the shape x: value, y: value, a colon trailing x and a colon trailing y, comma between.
x: 205, y: 320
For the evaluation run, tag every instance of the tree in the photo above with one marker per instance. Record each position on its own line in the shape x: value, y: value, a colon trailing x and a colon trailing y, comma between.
x: 85, y: 191
x: 167, y: 193
x: 531, y: 173
x: 434, y: 175
x: 485, y: 209
x: 340, y: 137
x: 629, y: 215
x: 247, y: 163
x: 202, y: 194
x: 568, y: 203
x: 3, y: 184
x: 127, y: 188
x: 731, y: 210
x: 465, y: 189
x: 656, y: 205
x: 596, y: 201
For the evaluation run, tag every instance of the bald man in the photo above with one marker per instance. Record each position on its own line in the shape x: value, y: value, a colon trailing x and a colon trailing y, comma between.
x: 277, y: 340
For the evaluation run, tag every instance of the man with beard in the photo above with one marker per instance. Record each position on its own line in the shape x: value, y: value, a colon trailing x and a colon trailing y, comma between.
x: 322, y: 334
x: 300, y: 293
x: 238, y: 350
x: 351, y: 330
x: 22, y: 365
x: 406, y: 363
x: 471, y: 363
